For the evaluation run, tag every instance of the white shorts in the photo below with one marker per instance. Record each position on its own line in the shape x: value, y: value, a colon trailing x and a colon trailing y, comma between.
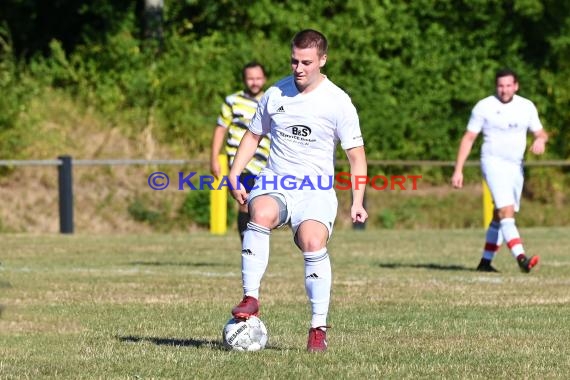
x: 505, y: 181
x: 307, y: 204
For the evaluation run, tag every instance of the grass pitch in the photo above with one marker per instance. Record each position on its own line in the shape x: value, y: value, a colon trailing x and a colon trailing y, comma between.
x: 406, y: 304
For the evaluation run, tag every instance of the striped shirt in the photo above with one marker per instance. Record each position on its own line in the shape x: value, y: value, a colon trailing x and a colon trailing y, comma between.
x: 235, y: 115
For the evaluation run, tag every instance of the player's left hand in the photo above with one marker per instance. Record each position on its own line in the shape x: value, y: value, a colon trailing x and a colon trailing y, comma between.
x: 358, y: 214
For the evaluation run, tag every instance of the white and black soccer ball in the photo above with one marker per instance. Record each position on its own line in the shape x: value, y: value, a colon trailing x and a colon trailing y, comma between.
x: 245, y: 335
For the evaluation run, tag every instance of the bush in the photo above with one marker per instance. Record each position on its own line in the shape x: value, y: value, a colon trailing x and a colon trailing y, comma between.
x: 16, y: 90
x: 196, y: 208
x: 141, y: 212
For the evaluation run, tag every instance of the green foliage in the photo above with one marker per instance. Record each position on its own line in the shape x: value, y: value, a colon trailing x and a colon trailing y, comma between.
x: 196, y: 208
x: 35, y: 23
x: 16, y: 93
x: 158, y: 214
x: 546, y: 185
x: 387, y: 219
x: 414, y: 69
x: 140, y: 212
x: 431, y: 211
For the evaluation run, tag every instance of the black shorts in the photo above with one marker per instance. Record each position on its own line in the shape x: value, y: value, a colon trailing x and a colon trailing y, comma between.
x: 247, y: 180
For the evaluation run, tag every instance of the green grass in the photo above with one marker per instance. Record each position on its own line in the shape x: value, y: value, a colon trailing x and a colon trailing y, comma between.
x: 406, y: 304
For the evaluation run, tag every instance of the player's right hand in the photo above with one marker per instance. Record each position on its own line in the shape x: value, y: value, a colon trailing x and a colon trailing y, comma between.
x: 237, y: 190
x: 215, y: 168
x: 240, y: 195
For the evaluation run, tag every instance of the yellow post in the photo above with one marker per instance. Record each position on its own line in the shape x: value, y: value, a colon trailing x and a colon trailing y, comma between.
x: 219, y: 201
x: 487, y: 205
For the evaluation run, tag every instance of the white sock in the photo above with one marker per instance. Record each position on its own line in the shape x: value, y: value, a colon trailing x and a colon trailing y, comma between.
x: 493, y: 240
x: 254, y: 257
x: 512, y: 236
x: 318, y: 280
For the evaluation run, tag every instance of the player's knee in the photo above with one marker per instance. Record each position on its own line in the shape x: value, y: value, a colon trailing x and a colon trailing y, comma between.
x: 263, y: 216
x: 311, y: 242
x: 263, y: 219
x: 506, y: 212
x: 264, y: 211
x: 312, y: 245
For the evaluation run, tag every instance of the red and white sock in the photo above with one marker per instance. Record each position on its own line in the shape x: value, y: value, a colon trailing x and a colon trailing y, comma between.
x: 512, y: 237
x: 493, y: 240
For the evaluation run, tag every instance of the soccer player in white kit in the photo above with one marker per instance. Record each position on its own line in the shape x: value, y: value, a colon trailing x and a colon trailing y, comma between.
x: 504, y: 118
x: 306, y: 116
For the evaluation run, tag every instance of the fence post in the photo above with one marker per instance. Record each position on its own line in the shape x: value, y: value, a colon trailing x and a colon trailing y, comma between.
x: 488, y: 205
x: 219, y: 201
x: 65, y: 195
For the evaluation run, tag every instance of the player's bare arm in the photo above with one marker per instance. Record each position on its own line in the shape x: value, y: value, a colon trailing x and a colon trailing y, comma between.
x: 245, y: 152
x: 462, y: 154
x: 539, y: 143
x: 217, y: 142
x: 358, y: 167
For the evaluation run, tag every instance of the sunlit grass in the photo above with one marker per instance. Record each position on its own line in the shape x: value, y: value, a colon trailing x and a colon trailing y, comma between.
x: 405, y: 304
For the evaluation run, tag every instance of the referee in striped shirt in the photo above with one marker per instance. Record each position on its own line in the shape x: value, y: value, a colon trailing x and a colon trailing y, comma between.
x: 236, y: 113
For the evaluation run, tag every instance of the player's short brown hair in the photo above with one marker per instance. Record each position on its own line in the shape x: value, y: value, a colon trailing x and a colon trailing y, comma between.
x: 309, y: 38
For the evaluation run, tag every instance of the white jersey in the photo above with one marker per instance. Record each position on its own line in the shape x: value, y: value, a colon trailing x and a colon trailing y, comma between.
x: 305, y: 128
x: 504, y: 127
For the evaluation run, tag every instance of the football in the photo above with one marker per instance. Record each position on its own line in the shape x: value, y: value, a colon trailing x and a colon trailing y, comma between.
x: 245, y: 335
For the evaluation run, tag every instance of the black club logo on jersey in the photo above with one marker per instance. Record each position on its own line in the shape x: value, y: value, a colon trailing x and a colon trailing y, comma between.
x: 299, y: 130
x: 298, y: 134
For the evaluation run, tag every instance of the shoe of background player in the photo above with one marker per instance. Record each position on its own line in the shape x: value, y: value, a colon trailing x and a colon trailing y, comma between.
x: 317, y: 339
x: 249, y: 306
x: 485, y: 266
x: 527, y: 263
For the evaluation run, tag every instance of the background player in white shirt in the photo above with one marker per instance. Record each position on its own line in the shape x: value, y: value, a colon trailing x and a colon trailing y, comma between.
x: 504, y: 118
x: 306, y: 115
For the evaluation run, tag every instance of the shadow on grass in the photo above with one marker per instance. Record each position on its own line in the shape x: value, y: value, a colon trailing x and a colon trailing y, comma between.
x: 172, y: 341
x: 198, y: 343
x: 426, y: 266
x: 178, y: 264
